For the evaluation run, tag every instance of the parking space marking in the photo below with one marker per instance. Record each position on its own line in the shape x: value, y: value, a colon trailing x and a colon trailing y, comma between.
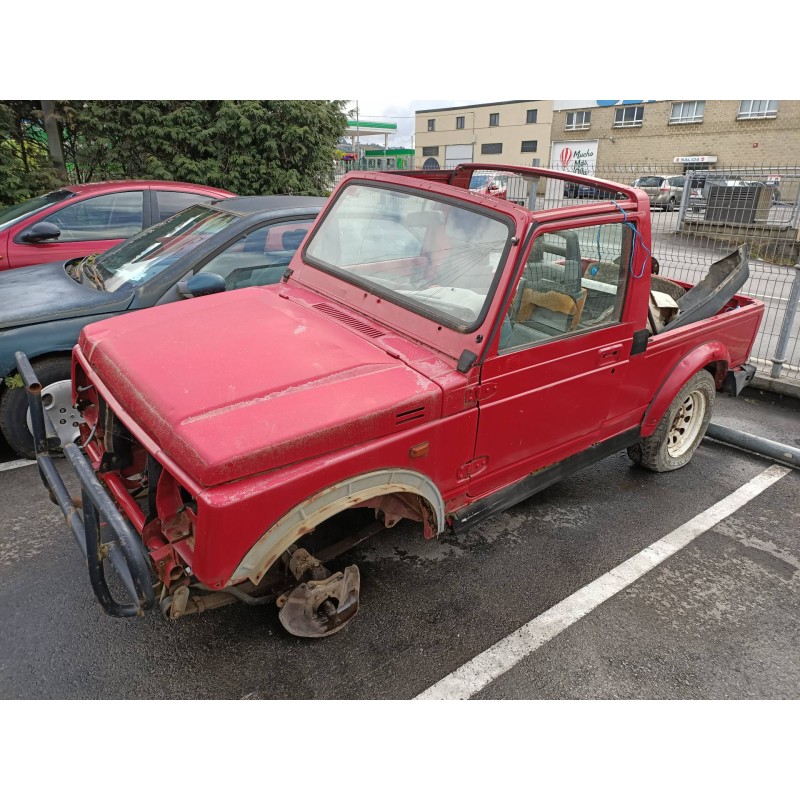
x: 486, y: 667
x: 23, y: 462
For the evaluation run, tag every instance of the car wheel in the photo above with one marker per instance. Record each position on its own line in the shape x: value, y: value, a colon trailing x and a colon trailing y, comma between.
x: 55, y: 377
x: 681, y: 429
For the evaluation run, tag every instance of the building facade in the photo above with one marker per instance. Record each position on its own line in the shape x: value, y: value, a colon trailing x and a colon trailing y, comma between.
x: 589, y: 135
x: 514, y: 132
x: 688, y: 134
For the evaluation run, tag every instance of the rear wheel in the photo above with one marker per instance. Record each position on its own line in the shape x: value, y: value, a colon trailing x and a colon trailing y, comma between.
x: 670, y: 204
x: 681, y: 429
x: 55, y: 376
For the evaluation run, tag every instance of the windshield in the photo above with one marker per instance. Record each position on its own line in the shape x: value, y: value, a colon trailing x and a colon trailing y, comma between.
x: 439, y: 257
x: 479, y: 181
x: 12, y: 214
x: 154, y: 249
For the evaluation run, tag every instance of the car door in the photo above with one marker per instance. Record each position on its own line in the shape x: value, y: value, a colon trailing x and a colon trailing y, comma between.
x: 87, y: 226
x: 561, y: 355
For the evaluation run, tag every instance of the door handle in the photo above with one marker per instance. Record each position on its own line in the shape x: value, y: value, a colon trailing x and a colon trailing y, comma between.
x: 609, y: 355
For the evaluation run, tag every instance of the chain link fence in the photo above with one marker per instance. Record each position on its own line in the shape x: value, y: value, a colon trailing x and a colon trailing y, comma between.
x: 698, y: 216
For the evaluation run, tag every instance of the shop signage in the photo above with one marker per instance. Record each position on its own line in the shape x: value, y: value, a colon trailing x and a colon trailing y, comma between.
x: 694, y: 160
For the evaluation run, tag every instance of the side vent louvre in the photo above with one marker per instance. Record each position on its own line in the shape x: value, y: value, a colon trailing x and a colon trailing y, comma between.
x: 368, y: 330
x: 410, y: 416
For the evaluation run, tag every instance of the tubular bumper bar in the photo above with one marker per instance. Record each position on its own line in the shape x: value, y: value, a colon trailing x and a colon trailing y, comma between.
x: 102, y: 533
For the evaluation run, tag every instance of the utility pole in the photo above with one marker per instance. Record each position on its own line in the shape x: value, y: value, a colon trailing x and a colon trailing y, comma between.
x: 54, y: 140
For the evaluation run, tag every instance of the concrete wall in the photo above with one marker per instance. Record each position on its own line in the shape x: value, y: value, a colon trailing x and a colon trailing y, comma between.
x: 511, y: 131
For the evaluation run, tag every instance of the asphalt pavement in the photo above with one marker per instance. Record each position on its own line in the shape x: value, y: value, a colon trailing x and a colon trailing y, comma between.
x: 718, y: 619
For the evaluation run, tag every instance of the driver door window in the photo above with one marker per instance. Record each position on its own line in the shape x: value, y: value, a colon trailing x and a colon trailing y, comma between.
x: 110, y: 216
x: 261, y: 257
x: 574, y: 280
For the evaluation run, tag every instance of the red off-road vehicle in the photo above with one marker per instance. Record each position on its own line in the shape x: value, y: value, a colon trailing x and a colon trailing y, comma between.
x: 431, y: 355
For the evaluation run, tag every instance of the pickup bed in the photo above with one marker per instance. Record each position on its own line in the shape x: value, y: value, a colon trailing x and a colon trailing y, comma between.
x: 430, y: 354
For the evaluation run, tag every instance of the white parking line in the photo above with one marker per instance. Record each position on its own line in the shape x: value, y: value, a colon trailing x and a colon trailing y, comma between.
x: 501, y: 657
x: 16, y: 464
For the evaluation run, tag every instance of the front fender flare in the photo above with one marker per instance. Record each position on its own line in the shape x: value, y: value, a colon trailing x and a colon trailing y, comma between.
x: 693, y: 361
x: 325, y: 504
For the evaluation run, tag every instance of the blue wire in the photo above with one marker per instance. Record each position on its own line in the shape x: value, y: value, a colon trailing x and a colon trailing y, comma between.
x: 635, y: 234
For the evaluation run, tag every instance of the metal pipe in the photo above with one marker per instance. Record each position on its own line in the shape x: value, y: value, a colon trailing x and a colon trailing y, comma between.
x: 784, y: 453
x: 786, y: 325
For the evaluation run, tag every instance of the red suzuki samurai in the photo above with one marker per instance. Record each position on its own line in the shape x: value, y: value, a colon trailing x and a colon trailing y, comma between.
x: 430, y: 354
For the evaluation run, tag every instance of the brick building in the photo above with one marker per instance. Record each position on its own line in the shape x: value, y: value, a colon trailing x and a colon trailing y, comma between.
x: 685, y: 133
x: 682, y: 134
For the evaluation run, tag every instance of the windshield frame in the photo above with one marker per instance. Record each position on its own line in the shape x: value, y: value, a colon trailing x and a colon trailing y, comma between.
x: 402, y: 301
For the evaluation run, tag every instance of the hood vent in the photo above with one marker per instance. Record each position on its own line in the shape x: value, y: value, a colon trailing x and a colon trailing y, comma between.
x: 410, y: 416
x: 367, y: 330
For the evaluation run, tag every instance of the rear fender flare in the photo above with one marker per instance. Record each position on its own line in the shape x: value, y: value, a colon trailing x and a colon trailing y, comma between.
x: 693, y: 361
x: 322, y: 506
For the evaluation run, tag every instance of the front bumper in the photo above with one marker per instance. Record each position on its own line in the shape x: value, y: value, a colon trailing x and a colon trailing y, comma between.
x: 100, y: 530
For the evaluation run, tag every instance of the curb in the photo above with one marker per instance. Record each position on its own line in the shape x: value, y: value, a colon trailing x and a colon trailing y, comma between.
x: 782, y: 386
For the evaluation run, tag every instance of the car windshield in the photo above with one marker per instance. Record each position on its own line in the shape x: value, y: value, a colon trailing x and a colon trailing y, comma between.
x: 12, y: 214
x: 438, y: 257
x: 479, y: 181
x: 154, y: 249
x: 649, y: 180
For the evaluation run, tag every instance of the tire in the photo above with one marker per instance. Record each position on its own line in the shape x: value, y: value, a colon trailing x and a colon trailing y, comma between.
x: 14, y: 404
x: 670, y: 204
x: 681, y: 429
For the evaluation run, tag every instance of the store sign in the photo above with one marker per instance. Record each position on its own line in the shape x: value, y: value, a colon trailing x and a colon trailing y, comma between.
x: 694, y: 160
x: 579, y: 156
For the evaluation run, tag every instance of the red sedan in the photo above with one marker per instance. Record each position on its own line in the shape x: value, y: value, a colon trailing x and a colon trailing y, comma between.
x: 75, y: 221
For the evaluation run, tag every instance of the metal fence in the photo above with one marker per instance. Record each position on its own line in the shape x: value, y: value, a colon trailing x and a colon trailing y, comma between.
x: 700, y: 215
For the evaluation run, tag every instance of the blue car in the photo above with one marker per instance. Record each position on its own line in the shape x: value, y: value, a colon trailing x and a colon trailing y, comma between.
x: 207, y: 248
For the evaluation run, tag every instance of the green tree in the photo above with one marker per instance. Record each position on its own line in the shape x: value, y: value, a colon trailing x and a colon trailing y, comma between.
x: 25, y: 168
x: 246, y: 146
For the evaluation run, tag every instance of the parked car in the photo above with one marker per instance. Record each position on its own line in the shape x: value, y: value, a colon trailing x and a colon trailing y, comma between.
x: 238, y: 445
x: 582, y: 192
x: 229, y: 244
x: 75, y: 221
x: 665, y: 191
x: 491, y: 184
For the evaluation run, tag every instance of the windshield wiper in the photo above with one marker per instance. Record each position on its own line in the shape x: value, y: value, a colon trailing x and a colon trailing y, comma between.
x: 87, y: 268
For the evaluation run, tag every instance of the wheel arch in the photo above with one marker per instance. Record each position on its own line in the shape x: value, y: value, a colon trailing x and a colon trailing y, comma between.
x: 711, y: 356
x: 329, y: 502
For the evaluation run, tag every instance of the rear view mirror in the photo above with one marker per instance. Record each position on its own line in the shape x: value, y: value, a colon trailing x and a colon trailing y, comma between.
x: 41, y: 232
x: 201, y: 284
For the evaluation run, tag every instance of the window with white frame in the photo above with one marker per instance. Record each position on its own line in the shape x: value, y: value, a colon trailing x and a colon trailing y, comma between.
x: 578, y: 120
x: 683, y: 113
x: 757, y: 109
x: 628, y: 117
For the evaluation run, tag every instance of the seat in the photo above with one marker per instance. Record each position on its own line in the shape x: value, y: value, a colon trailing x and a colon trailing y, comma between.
x: 559, y: 303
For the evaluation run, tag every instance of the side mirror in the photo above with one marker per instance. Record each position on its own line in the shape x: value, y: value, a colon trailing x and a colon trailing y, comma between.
x: 41, y: 232
x: 201, y: 284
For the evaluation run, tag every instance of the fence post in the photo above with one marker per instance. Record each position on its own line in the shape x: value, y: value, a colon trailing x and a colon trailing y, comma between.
x: 786, y: 326
x: 687, y: 190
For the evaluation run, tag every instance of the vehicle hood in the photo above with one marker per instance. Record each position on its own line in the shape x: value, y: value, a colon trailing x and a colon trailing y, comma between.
x: 45, y: 292
x: 243, y: 382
